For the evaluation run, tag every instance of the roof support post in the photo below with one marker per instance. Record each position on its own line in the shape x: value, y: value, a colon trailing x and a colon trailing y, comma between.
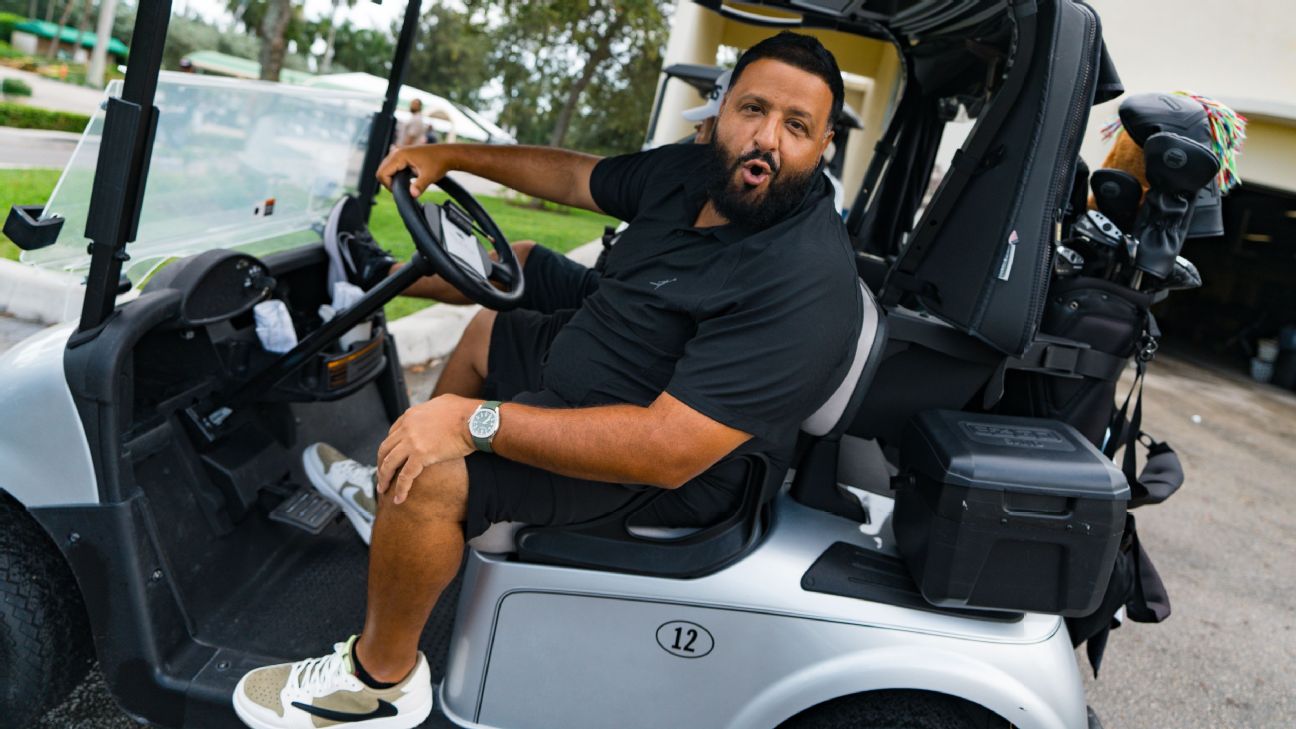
x: 383, y: 129
x: 122, y: 167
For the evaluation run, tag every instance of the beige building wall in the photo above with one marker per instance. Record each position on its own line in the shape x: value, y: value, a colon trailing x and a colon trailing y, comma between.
x: 1242, y: 52
x: 870, y: 69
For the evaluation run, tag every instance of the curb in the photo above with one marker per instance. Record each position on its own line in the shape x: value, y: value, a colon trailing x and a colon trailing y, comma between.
x: 34, y: 294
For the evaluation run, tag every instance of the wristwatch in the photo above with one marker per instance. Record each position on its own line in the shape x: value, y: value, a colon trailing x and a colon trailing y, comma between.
x: 484, y: 424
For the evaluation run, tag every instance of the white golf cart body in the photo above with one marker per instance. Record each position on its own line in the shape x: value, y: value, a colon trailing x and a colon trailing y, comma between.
x: 188, y: 584
x: 540, y: 646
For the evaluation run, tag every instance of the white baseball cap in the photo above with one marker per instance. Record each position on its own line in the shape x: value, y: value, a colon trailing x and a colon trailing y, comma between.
x: 712, y: 106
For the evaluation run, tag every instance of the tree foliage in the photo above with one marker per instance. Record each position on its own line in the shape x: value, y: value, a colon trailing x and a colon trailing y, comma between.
x: 576, y: 73
x: 362, y: 49
x: 187, y: 34
x: 549, y: 53
x: 451, y: 55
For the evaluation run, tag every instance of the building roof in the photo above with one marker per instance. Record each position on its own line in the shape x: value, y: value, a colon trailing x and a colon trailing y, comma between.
x: 66, y: 34
x: 223, y: 64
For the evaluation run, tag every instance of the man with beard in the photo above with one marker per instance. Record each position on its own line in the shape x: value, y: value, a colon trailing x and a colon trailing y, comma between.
x: 725, y: 315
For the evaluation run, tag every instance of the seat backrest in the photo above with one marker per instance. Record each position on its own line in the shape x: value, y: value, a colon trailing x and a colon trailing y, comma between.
x: 815, y: 483
x: 839, y: 409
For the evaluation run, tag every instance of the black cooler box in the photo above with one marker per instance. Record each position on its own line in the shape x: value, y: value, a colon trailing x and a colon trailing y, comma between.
x: 1007, y: 513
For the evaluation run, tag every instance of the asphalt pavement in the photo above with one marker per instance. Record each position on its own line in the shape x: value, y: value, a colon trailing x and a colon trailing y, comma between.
x: 1224, y: 545
x: 56, y: 95
x: 25, y: 148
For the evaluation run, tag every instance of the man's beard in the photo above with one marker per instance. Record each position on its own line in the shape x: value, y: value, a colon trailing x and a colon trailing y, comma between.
x: 738, y: 202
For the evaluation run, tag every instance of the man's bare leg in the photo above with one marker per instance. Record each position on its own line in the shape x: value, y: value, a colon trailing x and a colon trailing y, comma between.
x: 465, y: 371
x: 416, y: 550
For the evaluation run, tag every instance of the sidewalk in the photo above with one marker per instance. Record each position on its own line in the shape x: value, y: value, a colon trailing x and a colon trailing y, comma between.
x: 25, y: 148
x: 56, y: 95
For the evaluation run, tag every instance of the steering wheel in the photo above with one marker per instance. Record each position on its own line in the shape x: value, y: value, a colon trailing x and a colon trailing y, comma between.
x: 450, y: 236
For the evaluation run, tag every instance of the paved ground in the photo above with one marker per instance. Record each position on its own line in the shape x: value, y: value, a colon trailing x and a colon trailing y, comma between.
x: 1224, y: 546
x: 21, y: 148
x: 56, y: 95
x: 13, y: 331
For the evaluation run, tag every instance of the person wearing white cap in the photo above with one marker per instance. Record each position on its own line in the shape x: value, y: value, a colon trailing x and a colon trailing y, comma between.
x: 705, y: 116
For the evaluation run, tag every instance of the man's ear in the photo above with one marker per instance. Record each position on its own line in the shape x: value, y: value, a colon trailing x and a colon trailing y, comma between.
x: 823, y: 147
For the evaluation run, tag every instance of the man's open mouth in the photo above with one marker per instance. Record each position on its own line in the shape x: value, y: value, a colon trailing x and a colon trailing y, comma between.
x: 755, y: 172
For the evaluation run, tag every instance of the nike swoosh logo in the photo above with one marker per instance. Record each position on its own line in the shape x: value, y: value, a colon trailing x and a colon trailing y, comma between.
x: 384, y: 709
x: 349, y: 495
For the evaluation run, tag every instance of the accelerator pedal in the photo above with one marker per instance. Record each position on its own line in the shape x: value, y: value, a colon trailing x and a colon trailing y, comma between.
x: 307, y: 510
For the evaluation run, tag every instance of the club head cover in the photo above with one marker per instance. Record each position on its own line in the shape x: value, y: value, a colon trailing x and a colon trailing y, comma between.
x: 1177, y: 167
x: 1143, y: 115
x: 1183, y: 276
x: 1117, y: 194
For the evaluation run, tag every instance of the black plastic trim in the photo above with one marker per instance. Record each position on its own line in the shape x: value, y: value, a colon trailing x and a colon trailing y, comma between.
x: 25, y: 228
x: 848, y: 570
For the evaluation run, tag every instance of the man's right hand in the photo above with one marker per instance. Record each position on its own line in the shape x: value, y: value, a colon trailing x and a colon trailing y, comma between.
x: 428, y: 162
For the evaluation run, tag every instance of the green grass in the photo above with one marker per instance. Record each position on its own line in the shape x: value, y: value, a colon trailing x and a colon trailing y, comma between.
x: 22, y: 187
x: 561, y: 230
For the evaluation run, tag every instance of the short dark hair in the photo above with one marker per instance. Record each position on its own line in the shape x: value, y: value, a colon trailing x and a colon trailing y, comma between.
x: 801, y: 51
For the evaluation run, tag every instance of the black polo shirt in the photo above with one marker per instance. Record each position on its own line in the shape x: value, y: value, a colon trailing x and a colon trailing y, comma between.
x: 753, y: 329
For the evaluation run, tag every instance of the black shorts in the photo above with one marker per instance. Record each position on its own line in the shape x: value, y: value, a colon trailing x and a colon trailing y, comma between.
x: 503, y: 490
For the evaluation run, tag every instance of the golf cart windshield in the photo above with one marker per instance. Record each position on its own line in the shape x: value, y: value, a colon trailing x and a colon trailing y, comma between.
x: 236, y: 164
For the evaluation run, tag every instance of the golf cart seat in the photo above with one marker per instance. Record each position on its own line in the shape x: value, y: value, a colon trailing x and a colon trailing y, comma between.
x: 613, y: 542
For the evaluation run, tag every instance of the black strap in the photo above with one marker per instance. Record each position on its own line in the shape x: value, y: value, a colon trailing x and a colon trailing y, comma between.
x: 1134, y: 583
x: 1151, y: 602
x: 1162, y: 474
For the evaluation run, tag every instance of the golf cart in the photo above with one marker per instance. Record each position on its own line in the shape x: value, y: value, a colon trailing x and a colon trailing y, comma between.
x: 913, y: 567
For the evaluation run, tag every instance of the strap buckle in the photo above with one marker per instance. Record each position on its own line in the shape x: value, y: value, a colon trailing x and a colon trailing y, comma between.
x: 1147, y: 348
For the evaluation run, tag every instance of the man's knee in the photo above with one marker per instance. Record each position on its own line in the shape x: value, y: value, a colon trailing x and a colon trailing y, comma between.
x: 440, y: 493
x: 521, y: 250
x: 476, y: 338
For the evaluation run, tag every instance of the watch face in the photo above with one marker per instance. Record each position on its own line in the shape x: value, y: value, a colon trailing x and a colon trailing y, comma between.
x: 484, y: 423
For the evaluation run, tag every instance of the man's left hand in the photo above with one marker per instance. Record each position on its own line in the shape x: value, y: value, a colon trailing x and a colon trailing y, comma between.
x: 427, y: 434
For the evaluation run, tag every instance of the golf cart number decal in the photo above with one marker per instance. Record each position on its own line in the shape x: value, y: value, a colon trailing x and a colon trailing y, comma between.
x: 684, y: 639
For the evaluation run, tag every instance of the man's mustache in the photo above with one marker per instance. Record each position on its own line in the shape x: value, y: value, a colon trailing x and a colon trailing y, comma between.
x: 756, y: 154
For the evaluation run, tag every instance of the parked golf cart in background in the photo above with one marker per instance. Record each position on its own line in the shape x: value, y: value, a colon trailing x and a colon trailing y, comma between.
x: 912, y: 568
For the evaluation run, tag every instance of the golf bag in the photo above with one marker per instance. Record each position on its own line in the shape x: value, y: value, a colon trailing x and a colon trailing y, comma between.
x: 981, y: 256
x: 1115, y: 323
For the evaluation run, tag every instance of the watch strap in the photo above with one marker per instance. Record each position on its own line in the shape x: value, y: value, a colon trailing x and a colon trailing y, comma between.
x: 484, y: 444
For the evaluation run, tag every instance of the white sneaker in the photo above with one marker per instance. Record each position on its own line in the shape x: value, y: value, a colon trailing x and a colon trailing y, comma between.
x: 326, y: 692
x: 346, y: 482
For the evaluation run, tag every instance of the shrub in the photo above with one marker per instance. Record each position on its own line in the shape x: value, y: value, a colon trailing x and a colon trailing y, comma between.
x: 7, y: 23
x: 15, y: 87
x: 29, y: 117
x: 7, y: 51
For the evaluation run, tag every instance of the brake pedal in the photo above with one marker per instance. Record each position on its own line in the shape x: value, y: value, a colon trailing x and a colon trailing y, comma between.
x: 307, y: 510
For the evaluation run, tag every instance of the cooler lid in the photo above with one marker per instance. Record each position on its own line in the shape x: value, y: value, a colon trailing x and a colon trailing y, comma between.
x: 998, y: 452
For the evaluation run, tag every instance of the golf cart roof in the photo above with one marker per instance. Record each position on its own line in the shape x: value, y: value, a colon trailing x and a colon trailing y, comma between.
x: 907, y: 21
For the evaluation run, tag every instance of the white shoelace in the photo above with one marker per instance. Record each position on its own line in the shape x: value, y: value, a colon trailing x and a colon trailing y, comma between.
x: 358, y: 474
x: 318, y: 676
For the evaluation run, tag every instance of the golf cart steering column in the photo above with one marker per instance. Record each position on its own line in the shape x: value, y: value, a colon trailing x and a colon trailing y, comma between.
x: 320, y: 339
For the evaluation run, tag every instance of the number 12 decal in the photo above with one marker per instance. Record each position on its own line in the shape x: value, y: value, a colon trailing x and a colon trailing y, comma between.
x: 684, y: 639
